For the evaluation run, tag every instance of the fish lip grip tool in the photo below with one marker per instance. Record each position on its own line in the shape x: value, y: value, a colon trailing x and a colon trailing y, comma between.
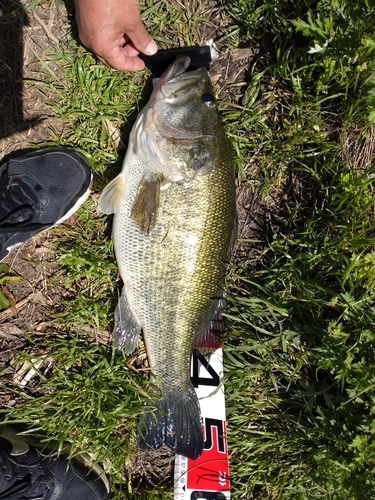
x: 200, y: 57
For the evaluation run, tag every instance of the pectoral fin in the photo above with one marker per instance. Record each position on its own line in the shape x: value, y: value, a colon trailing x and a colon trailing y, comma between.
x: 127, y: 330
x: 145, y: 208
x: 111, y: 196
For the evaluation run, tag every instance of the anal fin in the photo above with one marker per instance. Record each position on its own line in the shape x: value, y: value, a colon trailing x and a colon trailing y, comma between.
x: 127, y: 330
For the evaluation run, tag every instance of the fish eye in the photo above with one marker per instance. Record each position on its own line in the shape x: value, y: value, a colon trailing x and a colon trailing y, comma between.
x: 209, y: 100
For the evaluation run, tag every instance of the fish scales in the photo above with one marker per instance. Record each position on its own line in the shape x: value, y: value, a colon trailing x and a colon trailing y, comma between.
x: 173, y: 270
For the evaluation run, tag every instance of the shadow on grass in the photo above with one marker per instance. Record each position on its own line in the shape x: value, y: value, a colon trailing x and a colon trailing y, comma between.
x: 12, y: 19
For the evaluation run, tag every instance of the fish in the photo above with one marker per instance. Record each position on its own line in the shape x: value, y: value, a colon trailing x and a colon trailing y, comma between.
x: 174, y: 206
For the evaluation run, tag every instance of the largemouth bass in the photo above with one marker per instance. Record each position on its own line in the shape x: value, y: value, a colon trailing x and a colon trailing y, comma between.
x: 174, y: 217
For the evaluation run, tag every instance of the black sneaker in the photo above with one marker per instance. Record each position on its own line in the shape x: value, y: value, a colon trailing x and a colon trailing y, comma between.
x: 30, y: 472
x: 39, y: 190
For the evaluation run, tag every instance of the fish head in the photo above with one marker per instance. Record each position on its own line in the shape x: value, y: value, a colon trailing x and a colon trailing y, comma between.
x: 184, y: 103
x: 178, y: 128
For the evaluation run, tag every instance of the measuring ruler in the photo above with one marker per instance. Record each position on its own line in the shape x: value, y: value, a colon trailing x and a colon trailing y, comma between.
x: 206, y: 478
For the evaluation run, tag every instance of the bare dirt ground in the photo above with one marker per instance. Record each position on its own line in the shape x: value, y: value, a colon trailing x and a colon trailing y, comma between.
x: 27, y: 35
x: 26, y: 38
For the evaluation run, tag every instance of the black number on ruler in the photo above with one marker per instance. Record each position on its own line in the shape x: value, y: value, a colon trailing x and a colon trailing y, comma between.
x: 206, y: 495
x: 213, y: 381
x: 213, y: 422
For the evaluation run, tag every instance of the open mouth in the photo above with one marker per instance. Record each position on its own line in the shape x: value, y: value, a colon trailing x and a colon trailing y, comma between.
x: 178, y: 68
x: 179, y: 71
x: 177, y: 80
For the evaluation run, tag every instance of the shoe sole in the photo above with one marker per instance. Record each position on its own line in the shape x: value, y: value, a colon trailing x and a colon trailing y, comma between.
x: 20, y: 444
x: 66, y: 216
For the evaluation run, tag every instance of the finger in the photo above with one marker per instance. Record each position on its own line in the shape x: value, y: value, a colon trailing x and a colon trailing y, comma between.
x: 119, y: 60
x: 130, y: 50
x: 141, y: 39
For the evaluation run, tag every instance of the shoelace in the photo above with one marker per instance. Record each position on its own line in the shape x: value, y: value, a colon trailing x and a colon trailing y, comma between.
x: 26, y: 489
x: 16, y: 483
x: 18, y: 204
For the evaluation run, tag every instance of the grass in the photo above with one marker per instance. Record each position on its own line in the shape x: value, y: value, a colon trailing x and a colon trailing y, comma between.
x: 301, y: 322
x: 299, y: 355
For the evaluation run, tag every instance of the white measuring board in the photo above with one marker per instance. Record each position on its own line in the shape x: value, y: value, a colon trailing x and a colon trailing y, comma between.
x: 206, y: 478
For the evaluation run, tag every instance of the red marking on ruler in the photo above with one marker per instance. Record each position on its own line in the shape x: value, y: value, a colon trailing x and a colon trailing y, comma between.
x: 211, y: 470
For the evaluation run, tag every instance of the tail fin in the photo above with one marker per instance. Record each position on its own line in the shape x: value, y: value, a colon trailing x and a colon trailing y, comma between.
x: 176, y: 423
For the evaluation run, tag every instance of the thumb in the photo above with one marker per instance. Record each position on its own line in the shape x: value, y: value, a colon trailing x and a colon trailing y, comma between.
x: 141, y: 39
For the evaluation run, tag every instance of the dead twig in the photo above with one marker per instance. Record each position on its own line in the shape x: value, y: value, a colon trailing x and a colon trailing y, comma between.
x: 8, y: 313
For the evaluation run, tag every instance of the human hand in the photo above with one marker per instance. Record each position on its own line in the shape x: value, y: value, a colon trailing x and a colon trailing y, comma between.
x: 105, y: 25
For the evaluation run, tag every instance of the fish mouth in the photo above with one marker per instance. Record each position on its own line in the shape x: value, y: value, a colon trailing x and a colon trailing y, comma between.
x: 177, y: 80
x: 177, y: 68
x: 176, y: 88
x: 178, y: 71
